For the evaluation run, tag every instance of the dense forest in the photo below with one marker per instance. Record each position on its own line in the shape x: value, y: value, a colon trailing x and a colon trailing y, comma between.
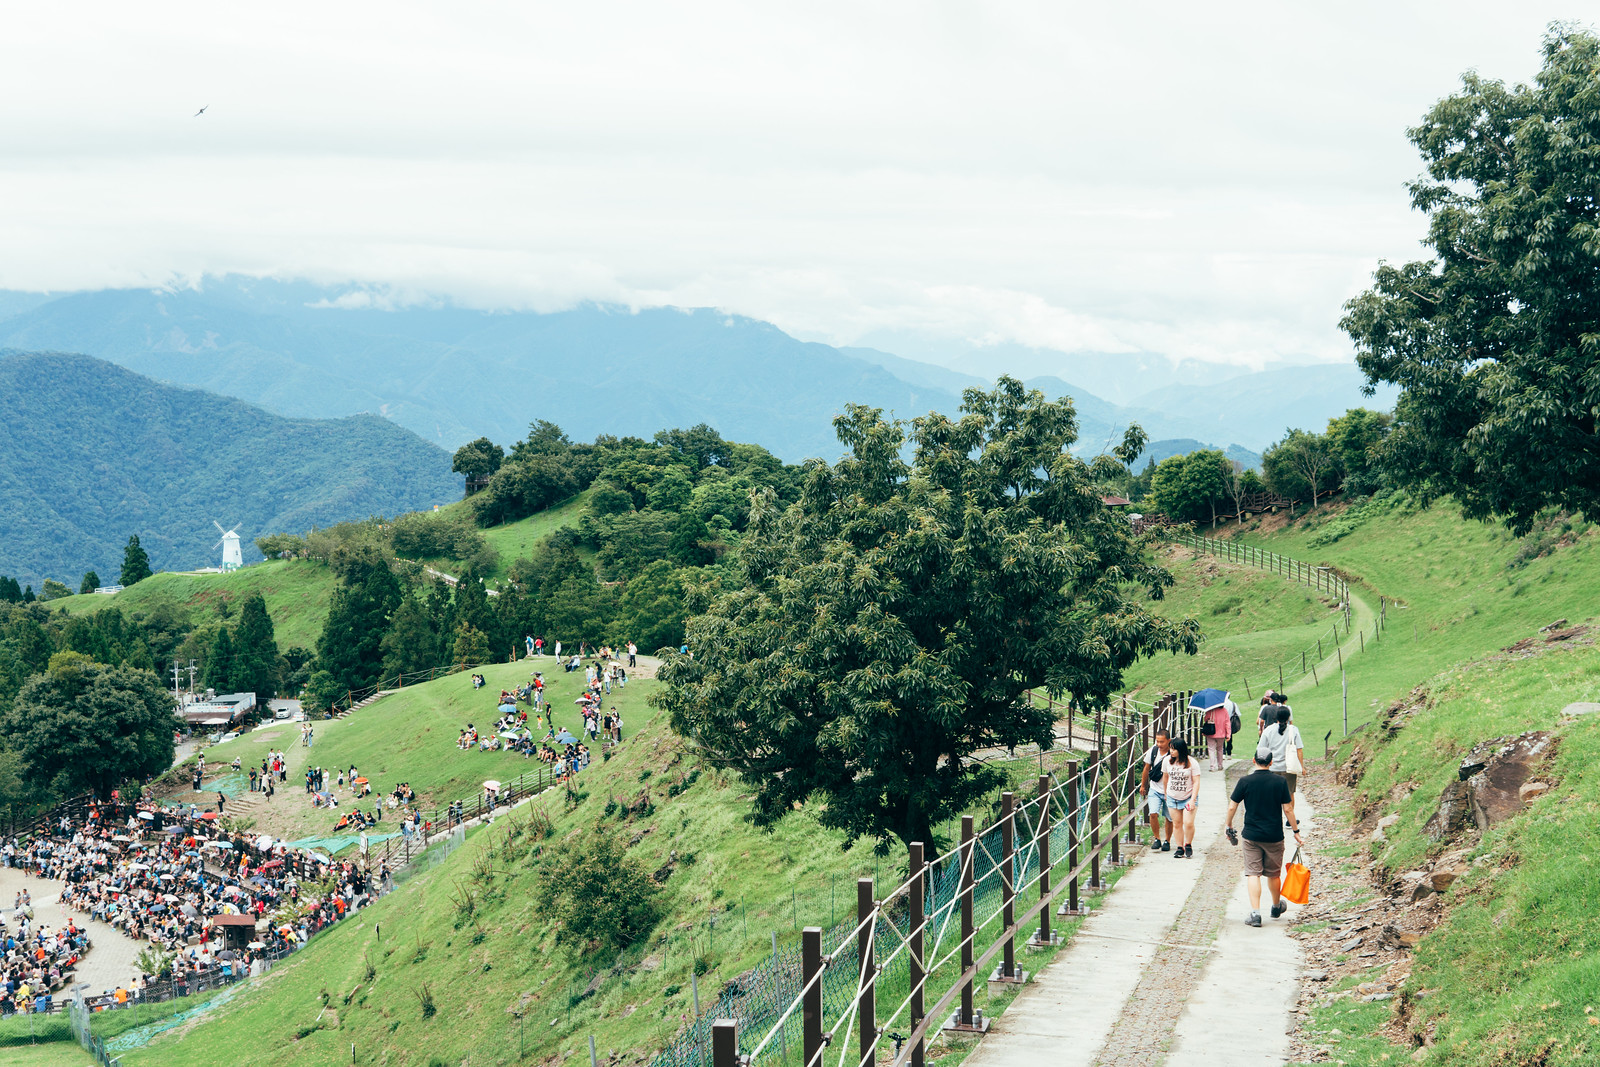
x: 654, y: 538
x: 91, y: 453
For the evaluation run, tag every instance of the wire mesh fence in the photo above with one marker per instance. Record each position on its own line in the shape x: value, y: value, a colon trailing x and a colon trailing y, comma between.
x: 759, y: 997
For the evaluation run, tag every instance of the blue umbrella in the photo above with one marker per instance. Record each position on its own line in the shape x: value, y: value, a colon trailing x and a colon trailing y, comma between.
x: 566, y: 739
x: 1206, y: 699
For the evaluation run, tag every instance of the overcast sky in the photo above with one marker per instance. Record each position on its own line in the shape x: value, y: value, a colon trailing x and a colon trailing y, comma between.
x: 1205, y: 180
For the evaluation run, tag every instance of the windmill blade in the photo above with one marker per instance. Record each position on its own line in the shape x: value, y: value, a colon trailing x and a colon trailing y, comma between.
x: 216, y: 546
x: 236, y: 526
x: 218, y: 525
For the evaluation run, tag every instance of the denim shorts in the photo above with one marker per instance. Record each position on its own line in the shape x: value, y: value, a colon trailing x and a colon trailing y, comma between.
x: 1158, y: 805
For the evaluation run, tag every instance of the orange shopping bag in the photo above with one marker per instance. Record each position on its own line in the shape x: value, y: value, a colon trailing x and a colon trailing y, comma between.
x: 1296, y: 881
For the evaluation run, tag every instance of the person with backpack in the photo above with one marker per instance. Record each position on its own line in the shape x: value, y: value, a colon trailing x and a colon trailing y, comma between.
x: 1264, y: 795
x: 1283, y: 741
x: 1180, y: 776
x: 1217, y: 726
x: 1151, y: 786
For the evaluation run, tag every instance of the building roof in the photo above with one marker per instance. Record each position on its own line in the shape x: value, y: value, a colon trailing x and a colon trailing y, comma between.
x: 1115, y: 501
x: 233, y: 920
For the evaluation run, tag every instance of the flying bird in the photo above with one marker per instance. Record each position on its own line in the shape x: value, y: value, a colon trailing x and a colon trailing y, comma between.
x: 197, y: 114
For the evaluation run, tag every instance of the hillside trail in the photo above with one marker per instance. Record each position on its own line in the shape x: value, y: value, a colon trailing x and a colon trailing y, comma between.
x: 1166, y: 971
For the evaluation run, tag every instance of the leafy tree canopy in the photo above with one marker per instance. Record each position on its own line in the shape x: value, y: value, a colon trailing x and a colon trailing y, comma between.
x: 91, y: 582
x: 135, y: 562
x: 1188, y: 487
x: 477, y: 459
x: 891, y: 619
x: 1495, y: 342
x: 598, y: 895
x: 83, y: 725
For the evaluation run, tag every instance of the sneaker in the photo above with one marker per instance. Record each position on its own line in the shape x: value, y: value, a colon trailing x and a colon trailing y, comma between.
x: 1178, y: 853
x: 1166, y: 846
x: 1279, y: 908
x: 1188, y: 850
x: 1254, y: 919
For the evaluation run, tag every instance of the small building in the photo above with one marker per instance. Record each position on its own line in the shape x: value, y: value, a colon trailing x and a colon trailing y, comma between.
x: 235, y: 931
x: 222, y: 709
x: 1115, y: 501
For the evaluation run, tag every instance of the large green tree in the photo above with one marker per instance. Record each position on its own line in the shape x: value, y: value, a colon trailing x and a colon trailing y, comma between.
x: 1302, y: 464
x: 135, y: 562
x: 1495, y: 341
x: 477, y: 460
x: 350, y: 649
x: 1189, y: 487
x: 83, y: 725
x: 218, y: 673
x: 892, y: 620
x: 411, y: 644
x: 255, y: 650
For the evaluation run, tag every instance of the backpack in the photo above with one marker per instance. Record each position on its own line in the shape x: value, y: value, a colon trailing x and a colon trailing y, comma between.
x: 1154, y: 760
x: 1233, y: 721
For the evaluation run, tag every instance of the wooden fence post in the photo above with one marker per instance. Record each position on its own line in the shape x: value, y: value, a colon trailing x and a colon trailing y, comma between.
x: 1072, y: 907
x: 968, y: 863
x: 1044, y: 936
x: 917, y: 906
x: 1115, y: 781
x: 866, y: 1008
x: 1008, y: 887
x: 1094, y: 826
x: 811, y: 1000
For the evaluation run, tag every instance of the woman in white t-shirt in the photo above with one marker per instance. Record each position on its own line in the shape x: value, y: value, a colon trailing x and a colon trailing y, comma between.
x: 1282, y: 739
x: 1181, y: 779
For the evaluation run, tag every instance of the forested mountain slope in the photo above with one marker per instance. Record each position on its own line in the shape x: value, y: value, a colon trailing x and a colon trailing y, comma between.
x: 91, y: 452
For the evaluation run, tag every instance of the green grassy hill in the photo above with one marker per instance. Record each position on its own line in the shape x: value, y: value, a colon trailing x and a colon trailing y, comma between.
x: 1250, y: 619
x: 297, y: 593
x: 1513, y: 972
x: 410, y: 736
x: 517, y: 540
x: 483, y: 964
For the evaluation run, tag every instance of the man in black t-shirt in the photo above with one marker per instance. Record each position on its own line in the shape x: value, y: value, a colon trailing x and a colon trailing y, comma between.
x: 1265, y: 795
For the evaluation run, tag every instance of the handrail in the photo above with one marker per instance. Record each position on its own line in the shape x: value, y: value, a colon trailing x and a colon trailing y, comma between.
x: 1091, y: 806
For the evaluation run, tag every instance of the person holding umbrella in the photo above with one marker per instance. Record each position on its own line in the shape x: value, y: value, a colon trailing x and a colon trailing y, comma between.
x: 1216, y: 723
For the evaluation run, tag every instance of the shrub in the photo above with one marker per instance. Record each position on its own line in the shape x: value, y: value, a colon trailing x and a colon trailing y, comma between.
x: 599, y: 895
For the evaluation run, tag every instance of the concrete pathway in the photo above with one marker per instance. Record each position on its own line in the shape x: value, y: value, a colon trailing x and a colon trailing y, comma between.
x: 1240, y: 1012
x: 1166, y: 968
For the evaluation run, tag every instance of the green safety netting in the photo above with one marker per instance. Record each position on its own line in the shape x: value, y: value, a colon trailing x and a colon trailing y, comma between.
x: 336, y: 843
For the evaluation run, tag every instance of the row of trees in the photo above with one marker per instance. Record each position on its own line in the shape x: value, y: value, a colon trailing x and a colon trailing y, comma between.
x: 663, y: 518
x: 1349, y: 456
x: 135, y: 568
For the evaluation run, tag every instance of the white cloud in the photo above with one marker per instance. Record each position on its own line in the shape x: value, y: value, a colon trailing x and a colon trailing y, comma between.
x: 1207, y: 181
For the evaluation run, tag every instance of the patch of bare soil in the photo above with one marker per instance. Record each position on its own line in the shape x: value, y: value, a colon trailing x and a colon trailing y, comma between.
x: 1359, y: 923
x: 1556, y: 634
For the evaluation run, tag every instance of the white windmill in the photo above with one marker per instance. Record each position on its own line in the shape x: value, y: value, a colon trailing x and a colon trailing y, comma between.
x: 232, y: 558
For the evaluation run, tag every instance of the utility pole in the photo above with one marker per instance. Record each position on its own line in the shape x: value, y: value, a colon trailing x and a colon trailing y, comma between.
x: 191, y: 677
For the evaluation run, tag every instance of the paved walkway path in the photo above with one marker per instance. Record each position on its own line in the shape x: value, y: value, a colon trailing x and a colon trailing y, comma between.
x: 1166, y: 968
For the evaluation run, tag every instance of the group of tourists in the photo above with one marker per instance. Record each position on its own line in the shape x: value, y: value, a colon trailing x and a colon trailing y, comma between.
x: 165, y: 878
x: 34, y: 958
x: 1170, y: 782
x: 538, y: 646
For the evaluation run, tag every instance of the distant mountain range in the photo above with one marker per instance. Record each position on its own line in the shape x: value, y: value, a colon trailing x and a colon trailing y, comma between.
x: 91, y: 452
x: 452, y: 374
